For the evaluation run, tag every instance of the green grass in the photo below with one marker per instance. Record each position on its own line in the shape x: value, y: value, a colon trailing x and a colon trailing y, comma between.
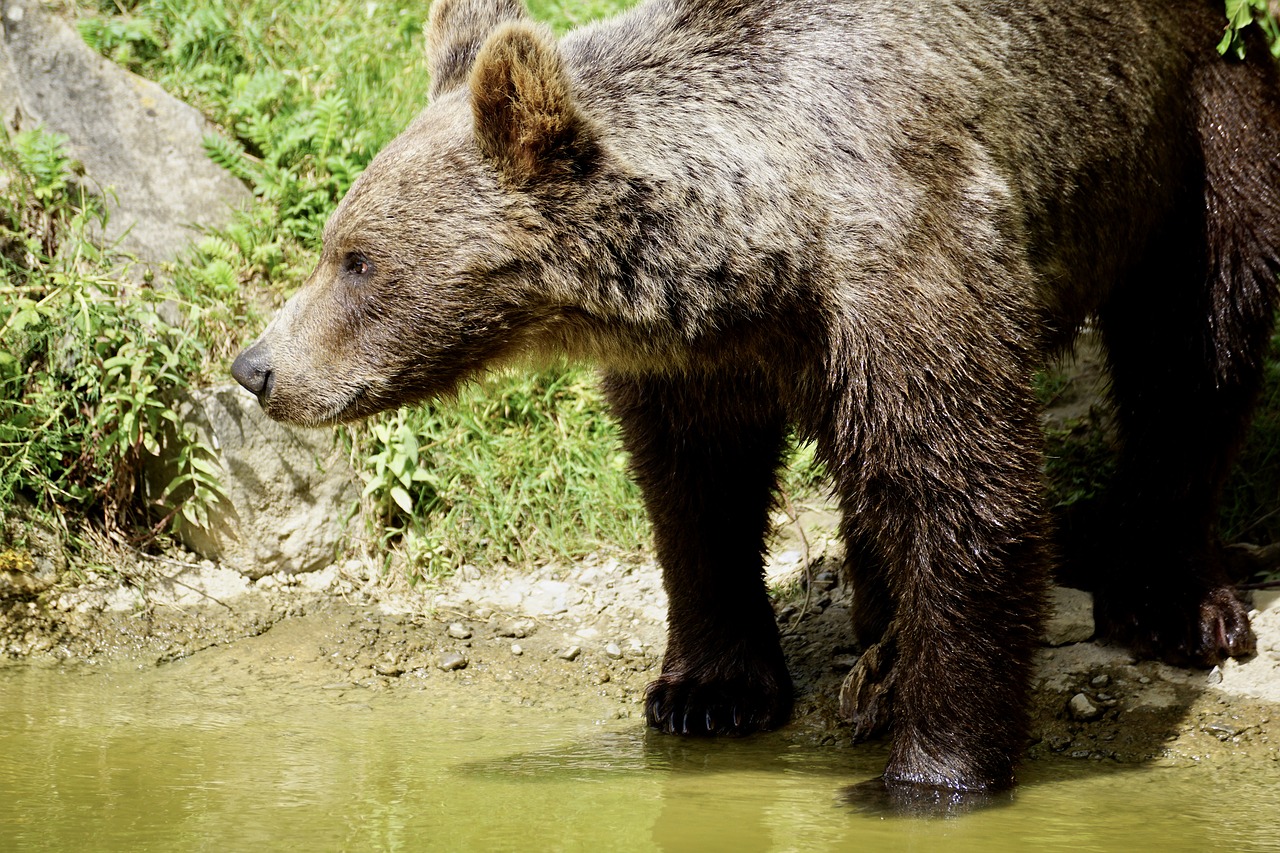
x: 518, y: 467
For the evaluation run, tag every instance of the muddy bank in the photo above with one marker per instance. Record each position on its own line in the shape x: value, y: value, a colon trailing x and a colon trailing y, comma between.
x: 586, y: 639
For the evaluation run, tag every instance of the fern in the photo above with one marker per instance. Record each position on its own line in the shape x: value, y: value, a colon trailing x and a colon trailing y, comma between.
x: 231, y: 156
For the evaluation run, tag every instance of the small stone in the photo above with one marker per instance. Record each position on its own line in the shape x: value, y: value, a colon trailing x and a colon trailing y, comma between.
x: 459, y: 631
x: 1100, y: 680
x: 519, y: 629
x: 1082, y: 708
x: 570, y: 653
x: 483, y: 613
x: 390, y: 670
x: 450, y: 661
x: 517, y: 649
x: 613, y: 650
x: 1214, y: 676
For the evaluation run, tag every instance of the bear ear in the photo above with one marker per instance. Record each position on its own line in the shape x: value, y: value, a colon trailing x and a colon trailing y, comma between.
x: 455, y: 31
x: 526, y: 121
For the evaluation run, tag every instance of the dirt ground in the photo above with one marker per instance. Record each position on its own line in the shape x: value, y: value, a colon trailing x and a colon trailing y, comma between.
x: 562, y: 638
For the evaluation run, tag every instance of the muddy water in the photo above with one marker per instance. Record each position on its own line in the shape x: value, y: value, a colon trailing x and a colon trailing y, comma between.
x: 188, y: 757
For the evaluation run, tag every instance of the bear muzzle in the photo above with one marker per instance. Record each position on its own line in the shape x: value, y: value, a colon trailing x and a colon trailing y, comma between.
x: 252, y: 369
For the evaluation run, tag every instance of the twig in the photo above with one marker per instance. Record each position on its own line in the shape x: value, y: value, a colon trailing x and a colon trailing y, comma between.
x: 183, y: 566
x: 1260, y: 585
x: 804, y: 541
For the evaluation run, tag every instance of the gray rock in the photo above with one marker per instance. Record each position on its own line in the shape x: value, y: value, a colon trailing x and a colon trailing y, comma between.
x: 570, y: 653
x: 459, y: 631
x: 1070, y: 617
x: 1081, y: 708
x: 517, y: 628
x: 131, y: 136
x: 613, y: 650
x: 290, y: 495
x: 450, y: 661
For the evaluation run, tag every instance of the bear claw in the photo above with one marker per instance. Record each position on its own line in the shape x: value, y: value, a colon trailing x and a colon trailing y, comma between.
x: 679, y: 705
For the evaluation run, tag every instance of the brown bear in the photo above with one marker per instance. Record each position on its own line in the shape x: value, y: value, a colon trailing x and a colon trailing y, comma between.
x: 870, y: 223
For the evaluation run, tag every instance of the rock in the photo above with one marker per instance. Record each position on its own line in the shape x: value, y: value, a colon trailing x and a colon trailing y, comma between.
x: 450, y: 661
x: 613, y: 650
x: 1070, y: 617
x: 516, y: 649
x: 1081, y: 708
x: 570, y: 653
x: 131, y: 136
x: 288, y: 493
x: 459, y: 631
x: 32, y: 553
x: 518, y: 628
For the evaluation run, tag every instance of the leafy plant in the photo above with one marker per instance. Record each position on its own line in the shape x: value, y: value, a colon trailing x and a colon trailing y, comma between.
x: 88, y: 369
x: 1245, y: 13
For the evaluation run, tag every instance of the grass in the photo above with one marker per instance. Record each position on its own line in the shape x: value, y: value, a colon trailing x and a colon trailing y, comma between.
x: 518, y: 468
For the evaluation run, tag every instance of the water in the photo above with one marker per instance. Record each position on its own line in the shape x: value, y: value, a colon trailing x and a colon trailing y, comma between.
x: 179, y: 759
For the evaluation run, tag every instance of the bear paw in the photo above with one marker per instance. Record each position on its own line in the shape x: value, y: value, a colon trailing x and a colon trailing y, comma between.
x: 881, y: 796
x: 679, y: 704
x: 866, y: 697
x: 1196, y: 630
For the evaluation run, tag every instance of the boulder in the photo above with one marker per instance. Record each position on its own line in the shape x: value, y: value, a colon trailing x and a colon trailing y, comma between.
x: 1070, y: 617
x: 290, y: 496
x: 136, y: 142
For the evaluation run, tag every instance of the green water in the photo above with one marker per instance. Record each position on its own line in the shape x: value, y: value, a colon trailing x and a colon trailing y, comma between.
x: 172, y: 759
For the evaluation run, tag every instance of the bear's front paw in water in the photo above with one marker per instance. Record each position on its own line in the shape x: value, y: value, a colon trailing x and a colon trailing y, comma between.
x: 880, y: 796
x: 737, y: 705
x: 1196, y: 628
x: 866, y: 697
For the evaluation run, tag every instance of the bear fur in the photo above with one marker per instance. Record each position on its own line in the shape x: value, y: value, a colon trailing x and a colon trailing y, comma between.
x: 870, y: 223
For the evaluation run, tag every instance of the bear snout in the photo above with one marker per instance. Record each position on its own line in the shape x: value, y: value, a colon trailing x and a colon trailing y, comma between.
x: 252, y: 369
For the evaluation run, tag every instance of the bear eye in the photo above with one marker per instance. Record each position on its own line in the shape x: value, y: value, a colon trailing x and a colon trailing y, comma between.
x: 357, y: 264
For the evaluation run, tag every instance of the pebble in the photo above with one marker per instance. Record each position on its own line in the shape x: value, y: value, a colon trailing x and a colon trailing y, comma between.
x: 518, y: 628
x: 517, y: 649
x: 1100, y: 680
x: 1082, y: 708
x: 459, y: 631
x: 570, y: 653
x: 1214, y: 676
x: 613, y: 650
x: 450, y: 661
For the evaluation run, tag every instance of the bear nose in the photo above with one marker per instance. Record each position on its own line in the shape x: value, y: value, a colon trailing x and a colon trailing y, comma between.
x: 252, y: 369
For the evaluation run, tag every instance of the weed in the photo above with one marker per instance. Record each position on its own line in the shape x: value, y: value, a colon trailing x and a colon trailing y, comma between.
x: 87, y: 366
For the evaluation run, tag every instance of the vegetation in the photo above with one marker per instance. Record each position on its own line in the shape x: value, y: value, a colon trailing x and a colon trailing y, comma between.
x: 89, y: 371
x: 519, y: 467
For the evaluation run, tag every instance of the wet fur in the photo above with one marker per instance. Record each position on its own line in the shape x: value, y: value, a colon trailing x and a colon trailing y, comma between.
x: 870, y: 223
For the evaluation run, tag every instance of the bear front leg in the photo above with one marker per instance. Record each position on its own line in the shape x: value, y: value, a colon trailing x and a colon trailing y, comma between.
x: 704, y: 451
x: 953, y: 521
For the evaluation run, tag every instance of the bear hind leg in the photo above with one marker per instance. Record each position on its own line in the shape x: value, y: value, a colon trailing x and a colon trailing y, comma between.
x: 1186, y: 342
